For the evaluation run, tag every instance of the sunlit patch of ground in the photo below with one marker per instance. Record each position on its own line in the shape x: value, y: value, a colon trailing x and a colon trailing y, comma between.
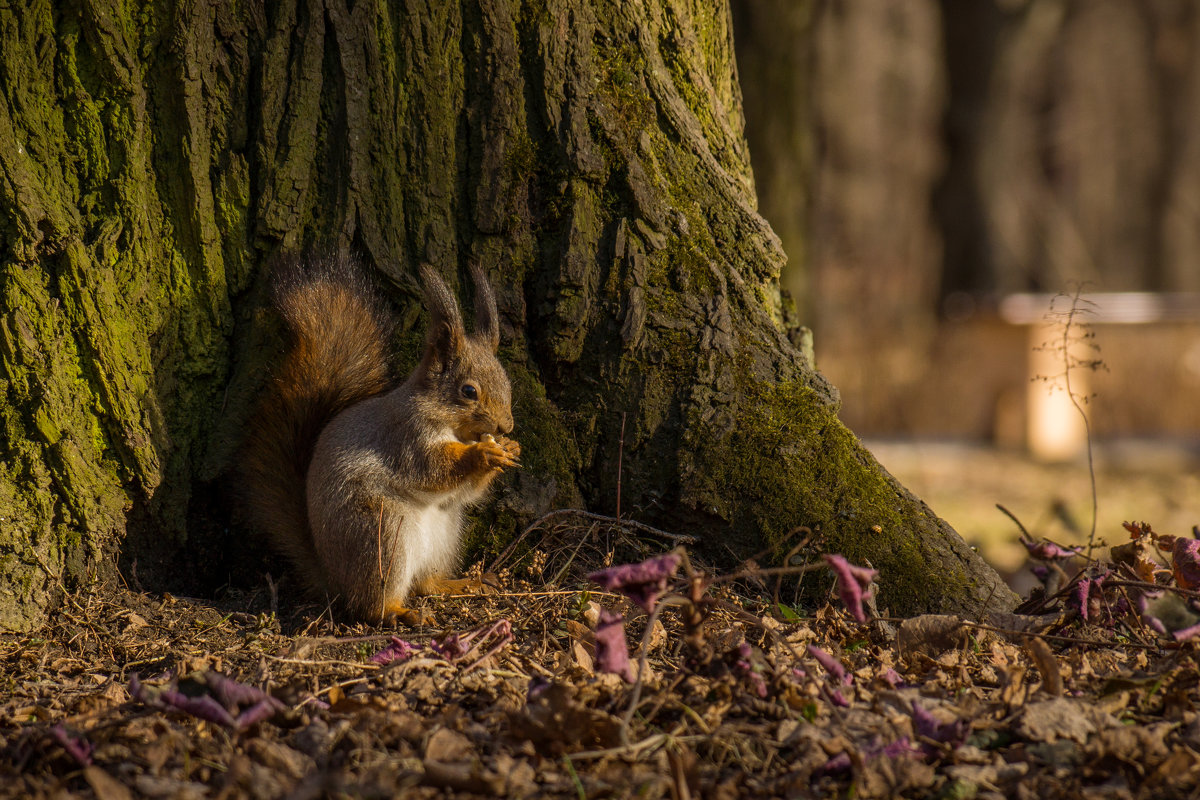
x: 1155, y: 482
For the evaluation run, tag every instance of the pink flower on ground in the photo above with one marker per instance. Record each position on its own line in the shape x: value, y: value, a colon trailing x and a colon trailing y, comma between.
x: 831, y: 665
x: 642, y: 583
x: 396, y: 650
x: 927, y: 726
x: 744, y: 664
x: 1145, y: 607
x: 1185, y: 562
x: 1186, y: 633
x: 853, y: 584
x: 77, y: 746
x: 456, y: 646
x: 1049, y: 551
x: 210, y: 696
x: 1087, y: 597
x: 612, y: 650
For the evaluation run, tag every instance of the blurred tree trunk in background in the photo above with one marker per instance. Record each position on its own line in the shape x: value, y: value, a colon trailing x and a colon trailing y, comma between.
x: 971, y: 34
x: 1077, y: 148
x: 775, y: 51
x: 870, y: 102
x: 589, y: 154
x: 1180, y: 54
x: 1083, y: 146
x: 1044, y: 142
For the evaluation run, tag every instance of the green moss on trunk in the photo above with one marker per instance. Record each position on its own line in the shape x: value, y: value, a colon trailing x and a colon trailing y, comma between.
x: 589, y: 155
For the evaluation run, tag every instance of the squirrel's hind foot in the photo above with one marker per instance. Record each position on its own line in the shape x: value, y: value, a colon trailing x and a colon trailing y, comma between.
x: 395, y: 614
x: 443, y: 586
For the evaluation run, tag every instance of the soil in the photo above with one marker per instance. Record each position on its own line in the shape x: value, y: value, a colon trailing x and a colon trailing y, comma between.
x: 756, y: 687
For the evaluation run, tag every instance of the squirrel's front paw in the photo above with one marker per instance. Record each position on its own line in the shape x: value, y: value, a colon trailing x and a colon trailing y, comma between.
x: 497, y: 453
x: 511, y: 446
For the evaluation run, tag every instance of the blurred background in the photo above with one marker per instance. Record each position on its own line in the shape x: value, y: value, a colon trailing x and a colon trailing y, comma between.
x: 939, y: 170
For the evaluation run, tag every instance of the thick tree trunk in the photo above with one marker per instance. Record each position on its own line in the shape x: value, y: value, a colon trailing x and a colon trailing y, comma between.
x: 589, y: 154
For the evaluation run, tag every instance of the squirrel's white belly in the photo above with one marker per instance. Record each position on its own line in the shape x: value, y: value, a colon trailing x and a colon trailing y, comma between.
x: 430, y: 539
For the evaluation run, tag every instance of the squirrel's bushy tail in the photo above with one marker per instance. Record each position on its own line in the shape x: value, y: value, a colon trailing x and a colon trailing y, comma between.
x: 336, y: 357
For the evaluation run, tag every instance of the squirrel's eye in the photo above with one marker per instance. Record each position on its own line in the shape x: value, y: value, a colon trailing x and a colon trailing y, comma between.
x: 470, y: 392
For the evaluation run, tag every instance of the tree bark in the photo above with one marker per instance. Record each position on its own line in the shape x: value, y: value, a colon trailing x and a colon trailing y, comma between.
x: 590, y: 155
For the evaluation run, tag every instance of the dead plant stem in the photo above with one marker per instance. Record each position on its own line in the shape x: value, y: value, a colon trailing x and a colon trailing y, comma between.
x: 620, y: 458
x: 1087, y: 424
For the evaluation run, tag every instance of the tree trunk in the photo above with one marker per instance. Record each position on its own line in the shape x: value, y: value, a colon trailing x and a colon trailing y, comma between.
x: 589, y: 154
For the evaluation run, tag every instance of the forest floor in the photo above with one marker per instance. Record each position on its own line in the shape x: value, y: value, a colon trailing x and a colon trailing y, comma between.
x: 737, y: 688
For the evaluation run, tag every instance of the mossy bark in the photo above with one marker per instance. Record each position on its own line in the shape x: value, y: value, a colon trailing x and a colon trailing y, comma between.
x: 153, y: 157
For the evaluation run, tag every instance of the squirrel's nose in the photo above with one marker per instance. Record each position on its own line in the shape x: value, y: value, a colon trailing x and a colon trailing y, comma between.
x: 505, y: 425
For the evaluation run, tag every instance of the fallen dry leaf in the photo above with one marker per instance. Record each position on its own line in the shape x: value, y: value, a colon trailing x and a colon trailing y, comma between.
x: 1061, y: 718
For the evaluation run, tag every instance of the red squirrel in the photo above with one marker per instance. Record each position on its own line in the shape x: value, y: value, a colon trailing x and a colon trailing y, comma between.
x: 363, y: 486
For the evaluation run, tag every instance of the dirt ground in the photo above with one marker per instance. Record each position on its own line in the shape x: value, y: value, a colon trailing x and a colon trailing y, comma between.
x: 735, y: 690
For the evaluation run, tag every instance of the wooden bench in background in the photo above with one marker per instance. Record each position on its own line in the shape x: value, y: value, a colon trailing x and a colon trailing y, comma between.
x: 1054, y: 430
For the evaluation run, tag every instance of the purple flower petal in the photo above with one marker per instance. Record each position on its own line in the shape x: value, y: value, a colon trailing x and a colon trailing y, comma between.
x: 263, y: 709
x: 1079, y: 597
x: 210, y: 696
x: 926, y: 726
x: 455, y: 646
x: 898, y: 748
x: 612, y: 650
x: 1049, y: 551
x: 234, y: 694
x: 140, y: 691
x: 205, y: 706
x: 537, y: 687
x: 450, y: 647
x: 396, y: 650
x: 853, y: 584
x: 839, y: 763
x: 1087, y: 597
x: 923, y: 722
x: 1185, y: 562
x: 1187, y: 633
x: 642, y: 583
x: 1143, y: 606
x: 831, y: 664
x: 77, y: 747
x: 744, y: 666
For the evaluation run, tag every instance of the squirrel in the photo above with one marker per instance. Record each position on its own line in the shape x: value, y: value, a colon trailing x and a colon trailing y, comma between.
x: 361, y: 485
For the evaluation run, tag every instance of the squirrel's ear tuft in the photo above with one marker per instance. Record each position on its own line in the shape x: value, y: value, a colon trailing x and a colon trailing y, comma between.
x: 444, y: 343
x: 487, y: 320
x: 446, y: 333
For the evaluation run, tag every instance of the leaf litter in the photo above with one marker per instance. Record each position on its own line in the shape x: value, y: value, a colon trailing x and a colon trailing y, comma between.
x: 603, y: 667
